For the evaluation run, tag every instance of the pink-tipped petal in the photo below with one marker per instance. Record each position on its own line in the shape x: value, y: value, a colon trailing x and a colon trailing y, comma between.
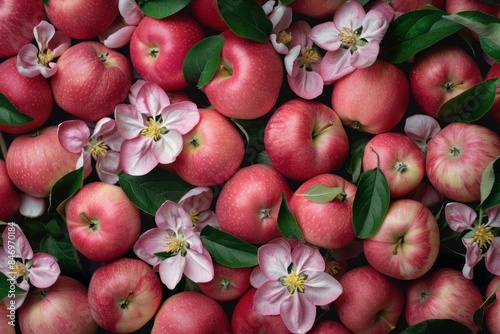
x: 108, y: 167
x: 278, y: 46
x: 269, y: 297
x: 274, y: 260
x: 257, y: 277
x: 49, y: 71
x: 117, y: 36
x: 349, y: 16
x: 32, y: 207
x: 492, y: 260
x: 181, y: 116
x: 268, y: 6
x: 493, y: 216
x: 130, y: 11
x: 59, y: 43
x: 326, y: 36
x: 281, y: 18
x: 306, y: 84
x: 22, y: 247
x: 151, y: 100
x: 199, y: 266
x: 198, y: 198
x: 307, y: 259
x: 300, y: 34
x: 375, y: 25
x: 27, y: 61
x: 205, y: 218
x: 459, y: 216
x: 149, y: 243
x: 137, y: 156
x: 129, y: 121
x: 473, y: 254
x: 321, y: 288
x: 168, y: 147
x: 171, y: 216
x: 44, y: 270
x: 335, y: 65
x: 298, y: 313
x: 291, y: 64
x: 73, y: 135
x: 171, y: 270
x: 134, y: 90
x: 421, y: 127
x: 384, y: 7
x: 365, y: 55
x: 43, y: 33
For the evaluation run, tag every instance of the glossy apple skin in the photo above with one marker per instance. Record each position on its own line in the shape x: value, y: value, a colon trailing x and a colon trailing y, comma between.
x: 35, y: 162
x: 301, y: 131
x: 319, y: 9
x: 443, y: 293
x: 227, y: 284
x: 249, y: 202
x: 365, y: 99
x: 9, y: 197
x: 492, y: 312
x: 250, y: 71
x: 111, y: 225
x: 82, y: 19
x: 246, y: 321
x: 124, y: 295
x: 86, y: 86
x: 60, y: 309
x: 399, y: 158
x: 441, y: 73
x: 190, y: 312
x: 207, y: 13
x: 457, y: 157
x: 327, y: 225
x: 158, y: 48
x: 406, y: 245
x: 212, y: 151
x: 494, y: 72
x: 30, y: 96
x: 404, y: 6
x: 367, y: 297
x: 329, y: 327
x: 9, y: 319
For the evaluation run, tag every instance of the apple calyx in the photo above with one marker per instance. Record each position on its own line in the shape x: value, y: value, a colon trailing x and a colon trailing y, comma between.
x: 225, y: 69
x: 455, y: 152
x: 153, y: 52
x: 356, y: 125
x: 92, y: 224
x: 424, y: 295
x: 103, y: 57
x: 40, y: 293
x: 225, y: 284
x: 325, y: 127
x: 195, y: 143
x: 450, y: 85
x: 400, y: 167
x: 379, y: 315
x: 265, y: 213
x: 124, y: 302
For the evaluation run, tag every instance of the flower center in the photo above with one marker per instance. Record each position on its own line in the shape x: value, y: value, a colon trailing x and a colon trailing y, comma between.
x: 332, y: 267
x: 348, y: 38
x: 98, y: 147
x: 193, y: 214
x: 308, y: 57
x: 483, y: 236
x: 45, y: 57
x: 284, y: 37
x: 20, y: 270
x: 175, y: 245
x: 294, y: 282
x: 153, y: 129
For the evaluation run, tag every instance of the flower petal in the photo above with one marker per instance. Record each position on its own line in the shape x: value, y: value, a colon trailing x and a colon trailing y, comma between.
x: 73, y: 135
x: 326, y: 36
x: 278, y: 46
x: 20, y: 297
x: 137, y: 156
x: 171, y: 270
x: 134, y: 90
x: 199, y: 266
x: 168, y: 147
x: 117, y: 36
x: 151, y: 242
x: 172, y: 217
x: 459, y: 216
x: 420, y: 128
x: 130, y: 11
x: 268, y: 6
x: 43, y: 33
x: 336, y: 64
x: 307, y: 259
x: 365, y: 55
x: 27, y: 61
x: 274, y: 260
x: 300, y: 34
x: 151, y: 100
x: 108, y: 167
x: 129, y: 121
x: 257, y: 277
x: 269, y: 297
x: 321, y: 288
x: 205, y: 218
x: 290, y: 61
x: 493, y: 216
x: 349, y: 16
x: 181, y: 116
x: 44, y: 270
x: 22, y: 247
x: 32, y: 207
x: 298, y: 313
x: 59, y: 44
x: 374, y: 25
x: 281, y: 18
x: 492, y: 260
x: 198, y: 199
x: 473, y: 253
x: 306, y: 84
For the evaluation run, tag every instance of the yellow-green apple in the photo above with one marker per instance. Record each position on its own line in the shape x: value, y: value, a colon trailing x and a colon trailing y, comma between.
x: 318, y: 9
x: 17, y: 20
x: 124, y: 295
x: 102, y: 222
x: 61, y: 308
x: 35, y: 162
x: 191, y: 312
x: 9, y: 197
x: 492, y: 312
x: 457, y: 157
x: 440, y: 73
x: 494, y: 72
x: 370, y: 301
x: 30, y: 96
x: 443, y: 293
x: 212, y: 151
x: 406, y: 245
x: 248, y: 70
x: 327, y: 225
x: 91, y: 80
x: 329, y: 326
x: 249, y: 203
x: 305, y: 138
x: 158, y: 48
x: 399, y: 158
x: 228, y: 283
x: 365, y: 99
x: 82, y: 19
x: 207, y: 13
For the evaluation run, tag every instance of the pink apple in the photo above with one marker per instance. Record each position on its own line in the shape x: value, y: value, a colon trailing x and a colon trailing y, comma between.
x: 370, y: 301
x: 248, y: 80
x: 492, y: 312
x: 442, y: 294
x: 124, y: 295
x: 10, y: 200
x: 328, y: 326
x: 190, y: 312
x: 30, y: 96
x: 103, y: 224
x: 249, y: 203
x: 91, y: 80
x: 406, y: 245
x: 399, y: 158
x: 60, y: 309
x: 82, y: 19
x: 35, y: 162
x: 327, y: 225
x: 494, y: 72
x: 213, y: 151
x: 457, y: 157
x: 207, y: 13
x: 305, y: 138
x: 158, y: 48
x: 441, y: 73
x: 318, y: 9
x: 9, y: 319
x: 227, y: 284
x: 366, y: 99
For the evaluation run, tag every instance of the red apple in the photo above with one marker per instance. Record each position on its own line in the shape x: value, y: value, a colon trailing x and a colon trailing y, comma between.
x: 327, y: 225
x: 82, y: 19
x: 191, y: 312
x: 30, y: 96
x: 158, y: 48
x: 103, y: 224
x: 9, y: 318
x: 213, y: 151
x: 304, y: 139
x: 207, y: 13
x: 405, y: 6
x: 442, y: 294
x: 248, y: 80
x: 60, y: 309
x: 35, y: 162
x: 91, y: 80
x: 492, y: 312
x: 124, y: 295
x: 494, y: 72
x: 227, y: 284
x: 406, y: 245
x: 457, y: 157
x: 249, y: 202
x: 487, y: 7
x: 366, y: 100
x: 9, y: 197
x: 328, y: 327
x: 370, y: 302
x: 319, y: 9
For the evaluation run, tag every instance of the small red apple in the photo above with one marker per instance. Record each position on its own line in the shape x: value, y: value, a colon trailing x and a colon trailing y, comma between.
x: 227, y: 284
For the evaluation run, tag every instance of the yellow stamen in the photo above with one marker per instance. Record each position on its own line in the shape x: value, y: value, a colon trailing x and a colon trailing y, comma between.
x: 153, y: 129
x: 19, y: 269
x: 483, y: 236
x: 45, y: 57
x: 284, y: 37
x: 174, y: 245
x: 98, y: 148
x: 193, y: 214
x: 332, y: 267
x: 308, y: 57
x: 348, y: 37
x: 294, y: 282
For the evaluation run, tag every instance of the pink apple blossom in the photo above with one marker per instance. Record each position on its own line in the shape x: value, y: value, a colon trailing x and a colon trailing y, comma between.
x: 32, y: 61
x: 174, y: 248
x: 281, y: 18
x: 153, y: 129
x: 352, y: 40
x: 421, y: 128
x: 197, y: 202
x: 120, y: 32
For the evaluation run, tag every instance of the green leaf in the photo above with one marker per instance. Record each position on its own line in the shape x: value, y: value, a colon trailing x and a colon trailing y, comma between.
x: 64, y: 189
x: 415, y: 31
x: 354, y: 161
x: 286, y: 221
x: 479, y: 313
x: 370, y: 203
x: 227, y: 249
x: 287, y: 2
x: 471, y: 104
x: 5, y: 288
x: 46, y: 2
x: 246, y: 19
x: 163, y: 255
x: 52, y: 228
x: 438, y: 326
x: 202, y: 60
x: 322, y: 194
x: 490, y: 185
x: 161, y: 8
x: 64, y: 252
x: 150, y: 191
x: 490, y: 47
x: 9, y: 115
x: 363, y: 2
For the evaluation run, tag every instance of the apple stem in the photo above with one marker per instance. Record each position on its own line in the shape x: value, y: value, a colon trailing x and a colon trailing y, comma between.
x: 92, y: 225
x: 449, y: 85
x: 391, y: 326
x: 398, y: 244
x: 323, y: 129
x: 124, y: 302
x: 3, y: 146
